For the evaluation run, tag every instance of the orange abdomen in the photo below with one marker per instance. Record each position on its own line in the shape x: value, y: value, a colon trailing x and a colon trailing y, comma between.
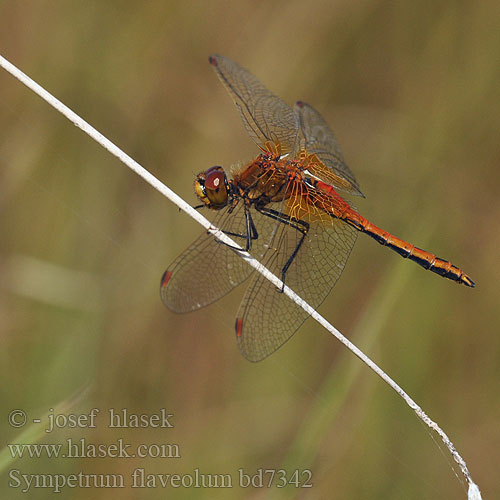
x: 423, y: 258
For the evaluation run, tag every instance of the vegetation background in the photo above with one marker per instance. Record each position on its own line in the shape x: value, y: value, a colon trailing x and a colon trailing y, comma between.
x: 411, y: 90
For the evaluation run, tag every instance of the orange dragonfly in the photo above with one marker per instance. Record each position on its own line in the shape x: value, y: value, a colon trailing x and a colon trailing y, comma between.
x: 285, y: 209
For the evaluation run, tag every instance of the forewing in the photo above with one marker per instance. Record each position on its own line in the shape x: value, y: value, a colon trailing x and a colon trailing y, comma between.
x: 207, y: 270
x: 319, y: 139
x: 267, y: 318
x: 266, y: 117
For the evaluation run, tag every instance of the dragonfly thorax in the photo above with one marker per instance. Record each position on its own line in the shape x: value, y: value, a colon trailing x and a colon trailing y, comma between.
x: 212, y: 187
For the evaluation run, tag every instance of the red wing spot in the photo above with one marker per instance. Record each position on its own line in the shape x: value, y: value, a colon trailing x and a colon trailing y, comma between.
x: 166, y: 278
x: 238, y: 326
x: 212, y: 61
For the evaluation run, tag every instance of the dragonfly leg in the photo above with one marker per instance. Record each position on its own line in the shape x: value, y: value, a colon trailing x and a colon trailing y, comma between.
x: 298, y: 224
x: 250, y: 233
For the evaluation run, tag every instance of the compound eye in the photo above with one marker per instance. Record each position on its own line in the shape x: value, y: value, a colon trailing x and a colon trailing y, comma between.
x: 212, y: 188
x: 215, y: 178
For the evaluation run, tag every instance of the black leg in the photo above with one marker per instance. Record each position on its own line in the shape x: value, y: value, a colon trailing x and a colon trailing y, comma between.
x: 299, y: 225
x: 250, y: 234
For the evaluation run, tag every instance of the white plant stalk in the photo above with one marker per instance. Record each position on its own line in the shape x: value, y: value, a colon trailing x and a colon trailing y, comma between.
x: 473, y: 490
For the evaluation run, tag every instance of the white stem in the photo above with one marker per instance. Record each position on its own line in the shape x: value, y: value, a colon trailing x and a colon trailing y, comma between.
x: 473, y: 492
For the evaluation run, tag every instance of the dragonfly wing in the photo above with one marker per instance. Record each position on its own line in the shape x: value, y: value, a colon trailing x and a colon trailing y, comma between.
x: 207, y: 270
x: 266, y: 117
x: 267, y: 318
x: 319, y: 139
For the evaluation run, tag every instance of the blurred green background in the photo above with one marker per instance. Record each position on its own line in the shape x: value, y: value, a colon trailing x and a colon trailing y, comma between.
x: 411, y: 90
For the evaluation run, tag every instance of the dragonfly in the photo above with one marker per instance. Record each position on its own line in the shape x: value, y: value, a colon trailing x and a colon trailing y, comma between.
x: 284, y: 207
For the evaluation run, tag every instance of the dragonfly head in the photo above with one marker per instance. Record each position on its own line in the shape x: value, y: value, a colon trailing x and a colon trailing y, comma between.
x: 212, y: 188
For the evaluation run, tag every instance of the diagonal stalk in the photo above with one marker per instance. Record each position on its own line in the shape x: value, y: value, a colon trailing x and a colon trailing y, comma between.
x: 473, y: 491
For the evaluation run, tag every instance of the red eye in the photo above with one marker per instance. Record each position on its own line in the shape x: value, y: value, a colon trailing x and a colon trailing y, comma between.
x: 214, y: 178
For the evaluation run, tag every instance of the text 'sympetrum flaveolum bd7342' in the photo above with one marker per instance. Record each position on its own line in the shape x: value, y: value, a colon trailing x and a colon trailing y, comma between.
x: 285, y: 209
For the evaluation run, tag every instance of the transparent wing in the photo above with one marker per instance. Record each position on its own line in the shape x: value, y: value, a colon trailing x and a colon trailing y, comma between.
x: 320, y: 140
x: 266, y: 117
x: 267, y: 318
x: 207, y: 270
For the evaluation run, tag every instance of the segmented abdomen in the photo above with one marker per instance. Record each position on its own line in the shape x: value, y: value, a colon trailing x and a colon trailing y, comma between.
x: 337, y: 207
x: 423, y: 258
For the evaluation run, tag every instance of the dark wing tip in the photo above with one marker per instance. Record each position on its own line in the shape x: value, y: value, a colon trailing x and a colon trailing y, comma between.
x: 303, y: 104
x: 238, y: 327
x: 165, y: 278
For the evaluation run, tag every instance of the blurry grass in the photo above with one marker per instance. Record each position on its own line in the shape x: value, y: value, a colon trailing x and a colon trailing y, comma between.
x: 48, y: 283
x: 342, y: 379
x: 35, y: 432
